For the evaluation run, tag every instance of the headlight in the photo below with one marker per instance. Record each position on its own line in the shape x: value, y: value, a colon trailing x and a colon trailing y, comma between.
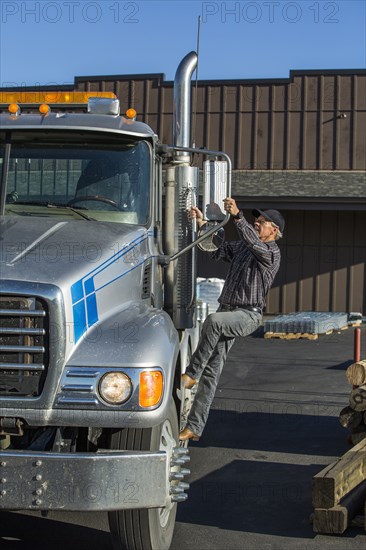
x: 115, y: 388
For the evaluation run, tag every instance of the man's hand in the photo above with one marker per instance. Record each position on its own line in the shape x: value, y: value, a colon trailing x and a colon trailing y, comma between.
x: 195, y: 214
x: 230, y: 206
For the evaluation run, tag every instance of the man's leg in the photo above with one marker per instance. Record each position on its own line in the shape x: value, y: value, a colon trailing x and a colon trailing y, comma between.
x: 223, y: 323
x: 223, y: 327
x: 207, y: 386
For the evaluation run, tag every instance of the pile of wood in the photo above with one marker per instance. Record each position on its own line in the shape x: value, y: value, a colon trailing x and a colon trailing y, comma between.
x: 354, y: 415
x: 339, y: 492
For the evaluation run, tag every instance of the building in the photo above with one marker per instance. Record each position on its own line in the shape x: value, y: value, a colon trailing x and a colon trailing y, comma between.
x: 298, y: 145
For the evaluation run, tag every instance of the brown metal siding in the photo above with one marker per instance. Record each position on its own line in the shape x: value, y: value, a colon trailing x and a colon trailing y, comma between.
x: 293, y: 123
x: 323, y: 263
x: 263, y: 125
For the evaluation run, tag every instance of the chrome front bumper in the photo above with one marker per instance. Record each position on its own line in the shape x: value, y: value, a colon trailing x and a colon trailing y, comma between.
x: 110, y: 480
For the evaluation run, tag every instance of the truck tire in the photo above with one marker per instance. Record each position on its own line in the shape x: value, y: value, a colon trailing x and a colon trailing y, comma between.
x: 145, y: 529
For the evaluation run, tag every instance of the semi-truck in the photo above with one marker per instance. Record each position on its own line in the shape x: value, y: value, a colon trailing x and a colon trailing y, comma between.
x: 98, y: 314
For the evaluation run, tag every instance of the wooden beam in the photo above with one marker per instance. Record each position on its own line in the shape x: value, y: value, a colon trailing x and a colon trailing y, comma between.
x: 335, y: 520
x: 339, y: 478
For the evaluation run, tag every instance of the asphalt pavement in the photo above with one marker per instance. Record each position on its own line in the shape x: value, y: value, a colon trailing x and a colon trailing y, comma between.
x: 273, y: 426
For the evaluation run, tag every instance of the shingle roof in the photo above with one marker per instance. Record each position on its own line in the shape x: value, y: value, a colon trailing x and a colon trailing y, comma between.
x: 299, y: 184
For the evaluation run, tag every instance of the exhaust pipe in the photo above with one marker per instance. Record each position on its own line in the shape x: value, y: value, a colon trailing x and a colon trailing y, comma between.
x: 181, y: 187
x: 182, y: 105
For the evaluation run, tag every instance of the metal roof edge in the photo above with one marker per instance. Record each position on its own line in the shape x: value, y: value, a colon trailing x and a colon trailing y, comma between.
x: 167, y: 83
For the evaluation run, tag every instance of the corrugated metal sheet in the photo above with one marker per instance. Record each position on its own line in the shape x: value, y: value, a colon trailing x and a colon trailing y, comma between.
x: 323, y: 263
x: 314, y: 120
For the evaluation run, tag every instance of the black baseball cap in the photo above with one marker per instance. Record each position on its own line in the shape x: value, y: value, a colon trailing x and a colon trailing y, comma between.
x: 273, y: 216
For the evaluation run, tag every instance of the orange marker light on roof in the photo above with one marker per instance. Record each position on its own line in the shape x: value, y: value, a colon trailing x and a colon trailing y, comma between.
x: 44, y: 109
x: 151, y: 388
x: 56, y: 96
x: 131, y: 113
x: 14, y: 108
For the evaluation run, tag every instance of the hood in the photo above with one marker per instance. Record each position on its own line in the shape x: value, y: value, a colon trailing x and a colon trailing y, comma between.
x: 43, y: 250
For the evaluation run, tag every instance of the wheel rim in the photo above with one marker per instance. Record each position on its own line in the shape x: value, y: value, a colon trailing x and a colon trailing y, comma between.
x: 167, y: 444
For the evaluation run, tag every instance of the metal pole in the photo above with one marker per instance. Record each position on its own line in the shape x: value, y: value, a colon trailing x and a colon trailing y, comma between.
x: 357, y: 345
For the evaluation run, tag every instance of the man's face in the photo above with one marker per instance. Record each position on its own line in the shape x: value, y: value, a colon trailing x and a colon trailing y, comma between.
x: 264, y: 228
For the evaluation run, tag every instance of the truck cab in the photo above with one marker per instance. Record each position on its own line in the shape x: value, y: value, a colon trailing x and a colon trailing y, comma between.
x: 96, y: 322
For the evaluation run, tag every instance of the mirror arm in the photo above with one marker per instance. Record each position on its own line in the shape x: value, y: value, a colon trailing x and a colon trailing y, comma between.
x: 201, y: 238
x: 206, y: 152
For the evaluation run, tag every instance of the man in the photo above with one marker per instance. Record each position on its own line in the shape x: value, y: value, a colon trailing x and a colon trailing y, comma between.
x: 254, y: 261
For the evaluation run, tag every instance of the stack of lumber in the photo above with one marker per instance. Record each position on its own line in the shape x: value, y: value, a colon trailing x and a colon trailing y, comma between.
x: 339, y: 492
x: 354, y: 415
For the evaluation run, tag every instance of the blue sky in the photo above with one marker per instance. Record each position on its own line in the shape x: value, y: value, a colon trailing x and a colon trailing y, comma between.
x: 51, y: 42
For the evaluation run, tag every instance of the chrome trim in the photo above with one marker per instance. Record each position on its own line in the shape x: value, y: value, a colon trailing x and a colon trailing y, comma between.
x: 81, y: 373
x: 21, y: 366
x: 27, y: 331
x: 23, y: 334
x: 21, y: 312
x: 23, y: 349
x: 78, y: 128
x: 75, y: 401
x: 77, y: 387
x: 103, y: 106
x: 52, y: 297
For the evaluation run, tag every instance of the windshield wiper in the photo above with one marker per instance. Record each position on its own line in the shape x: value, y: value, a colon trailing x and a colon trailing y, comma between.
x: 76, y: 210
x: 49, y: 204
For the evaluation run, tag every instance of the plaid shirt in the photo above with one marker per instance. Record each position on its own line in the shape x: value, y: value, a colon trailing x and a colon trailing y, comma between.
x: 253, y: 266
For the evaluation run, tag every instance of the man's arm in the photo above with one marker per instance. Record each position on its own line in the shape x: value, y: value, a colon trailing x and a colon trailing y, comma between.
x: 246, y: 232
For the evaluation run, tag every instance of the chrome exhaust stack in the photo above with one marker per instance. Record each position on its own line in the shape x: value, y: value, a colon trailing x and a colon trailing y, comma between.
x: 181, y: 192
x: 182, y: 105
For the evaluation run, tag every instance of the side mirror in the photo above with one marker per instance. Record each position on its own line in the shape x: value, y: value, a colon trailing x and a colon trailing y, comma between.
x: 217, y: 186
x: 214, y: 193
x: 207, y: 245
x: 214, y: 189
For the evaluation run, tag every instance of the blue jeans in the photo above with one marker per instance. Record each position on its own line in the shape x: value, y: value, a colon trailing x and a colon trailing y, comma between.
x: 218, y: 335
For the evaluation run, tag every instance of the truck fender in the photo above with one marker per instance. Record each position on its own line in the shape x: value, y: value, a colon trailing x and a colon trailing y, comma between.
x: 138, y: 336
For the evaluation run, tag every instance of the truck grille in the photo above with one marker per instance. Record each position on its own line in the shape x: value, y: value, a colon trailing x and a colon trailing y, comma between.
x: 23, y: 347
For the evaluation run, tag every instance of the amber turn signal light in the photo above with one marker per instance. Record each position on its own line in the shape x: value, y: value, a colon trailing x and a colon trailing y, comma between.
x: 151, y: 388
x: 44, y: 109
x: 14, y: 108
x: 131, y: 113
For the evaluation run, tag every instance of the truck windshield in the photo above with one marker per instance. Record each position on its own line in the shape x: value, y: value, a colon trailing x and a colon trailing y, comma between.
x: 80, y: 176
